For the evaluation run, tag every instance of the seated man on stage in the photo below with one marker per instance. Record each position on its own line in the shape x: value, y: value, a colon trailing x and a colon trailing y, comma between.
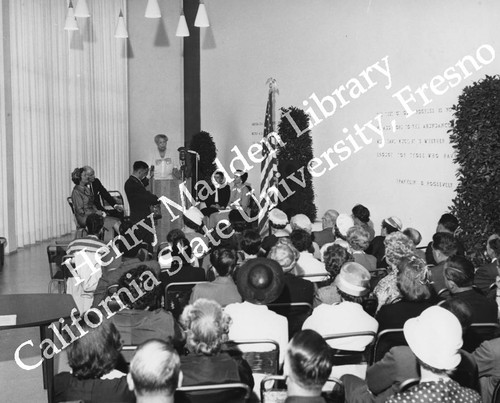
x: 140, y: 199
x: 219, y: 199
x: 100, y: 193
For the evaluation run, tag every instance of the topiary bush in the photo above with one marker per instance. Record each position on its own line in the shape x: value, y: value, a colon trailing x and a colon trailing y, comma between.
x: 293, y: 159
x: 475, y: 136
x: 203, y: 144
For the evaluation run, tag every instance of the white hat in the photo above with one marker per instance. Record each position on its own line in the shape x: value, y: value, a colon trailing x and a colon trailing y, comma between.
x: 435, y: 337
x: 344, y: 222
x: 194, y: 215
x: 394, y: 222
x: 301, y: 221
x: 353, y: 279
x: 278, y: 217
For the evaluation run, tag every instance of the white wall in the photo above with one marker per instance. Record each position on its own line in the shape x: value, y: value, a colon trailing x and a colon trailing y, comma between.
x: 317, y: 46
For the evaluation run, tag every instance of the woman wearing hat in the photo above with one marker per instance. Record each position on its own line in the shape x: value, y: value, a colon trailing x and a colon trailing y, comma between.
x: 435, y: 338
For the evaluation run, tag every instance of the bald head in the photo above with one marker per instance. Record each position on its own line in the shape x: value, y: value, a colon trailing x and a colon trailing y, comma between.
x: 154, y: 370
x: 90, y: 173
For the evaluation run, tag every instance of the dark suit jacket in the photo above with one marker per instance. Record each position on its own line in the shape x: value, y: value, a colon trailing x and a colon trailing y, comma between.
x: 484, y: 310
x: 100, y: 193
x: 377, y: 249
x: 139, y: 199
x: 437, y: 274
x: 324, y: 236
x: 429, y: 257
x: 224, y: 194
x: 485, y: 276
x: 394, y: 316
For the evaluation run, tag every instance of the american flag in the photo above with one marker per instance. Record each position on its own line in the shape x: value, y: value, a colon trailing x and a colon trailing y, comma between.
x: 269, y: 166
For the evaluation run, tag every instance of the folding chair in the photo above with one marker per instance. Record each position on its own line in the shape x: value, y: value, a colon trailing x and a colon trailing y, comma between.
x: 223, y: 392
x: 349, y: 357
x: 177, y: 296
x: 407, y: 384
x: 273, y: 389
x: 263, y: 359
x: 78, y: 226
x: 295, y: 312
x: 385, y: 340
x: 59, y: 273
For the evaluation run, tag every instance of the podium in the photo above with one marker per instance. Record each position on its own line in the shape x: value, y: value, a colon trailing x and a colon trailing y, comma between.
x: 170, y: 189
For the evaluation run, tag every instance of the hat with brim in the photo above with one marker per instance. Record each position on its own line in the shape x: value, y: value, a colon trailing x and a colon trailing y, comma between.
x: 260, y: 280
x: 435, y: 337
x: 344, y: 222
x: 394, y: 222
x: 353, y: 279
x: 194, y: 214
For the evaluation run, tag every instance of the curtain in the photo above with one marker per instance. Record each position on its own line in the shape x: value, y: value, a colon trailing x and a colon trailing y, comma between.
x: 69, y: 109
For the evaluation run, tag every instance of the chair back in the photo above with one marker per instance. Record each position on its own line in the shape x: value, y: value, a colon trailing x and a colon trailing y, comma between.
x: 295, y: 312
x: 177, y: 296
x: 223, y: 392
x: 78, y: 226
x: 385, y: 340
x: 128, y: 352
x: 58, y: 271
x: 263, y: 358
x: 273, y: 390
x: 496, y: 394
x: 348, y: 357
x: 407, y: 384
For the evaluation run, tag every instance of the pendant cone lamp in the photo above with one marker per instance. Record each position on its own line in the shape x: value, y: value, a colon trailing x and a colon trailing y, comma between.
x: 182, y: 27
x: 121, y: 29
x: 152, y: 9
x: 82, y: 9
x: 70, y: 24
x: 201, y: 19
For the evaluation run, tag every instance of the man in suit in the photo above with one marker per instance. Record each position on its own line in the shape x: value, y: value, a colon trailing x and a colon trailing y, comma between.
x: 444, y: 245
x: 100, y: 193
x: 327, y: 234
x: 140, y: 199
x: 459, y: 276
x: 485, y: 275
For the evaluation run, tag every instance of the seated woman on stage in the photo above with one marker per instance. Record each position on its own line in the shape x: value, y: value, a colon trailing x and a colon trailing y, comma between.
x: 207, y: 328
x: 219, y: 199
x: 83, y: 204
x: 93, y: 359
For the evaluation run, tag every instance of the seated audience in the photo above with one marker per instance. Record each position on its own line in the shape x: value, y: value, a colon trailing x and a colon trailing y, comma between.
x: 250, y: 246
x: 154, y: 372
x: 377, y: 245
x: 334, y: 258
x: 165, y: 254
x: 193, y: 228
x: 307, y: 263
x: 435, y: 337
x: 143, y: 318
x: 307, y: 367
x: 416, y: 294
x: 182, y: 268
x: 342, y: 225
x: 444, y: 245
x: 295, y: 289
x: 359, y: 240
x: 485, y: 276
x: 260, y: 282
x: 238, y: 225
x: 85, y: 263
x: 301, y: 221
x: 353, y: 283
x: 361, y: 217
x: 84, y: 204
x: 93, y: 359
x: 416, y: 238
x: 223, y: 289
x: 207, y: 326
x: 459, y: 277
x: 397, y: 246
x: 401, y: 363
x: 447, y: 223
x: 327, y: 234
x: 487, y: 357
x: 278, y: 221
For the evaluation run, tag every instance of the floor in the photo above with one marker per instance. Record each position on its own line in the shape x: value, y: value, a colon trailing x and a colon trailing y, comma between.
x: 24, y: 272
